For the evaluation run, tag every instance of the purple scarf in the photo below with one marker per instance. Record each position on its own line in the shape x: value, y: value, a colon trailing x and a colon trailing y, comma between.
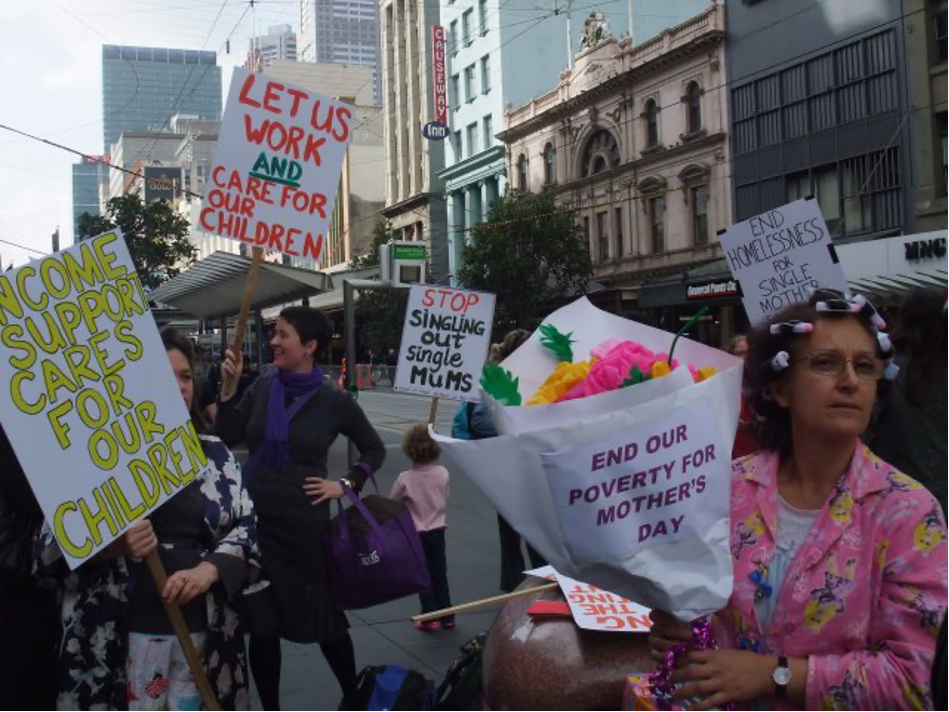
x: 300, y: 387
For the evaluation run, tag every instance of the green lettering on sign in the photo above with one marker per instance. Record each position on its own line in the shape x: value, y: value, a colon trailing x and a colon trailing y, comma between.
x: 410, y: 252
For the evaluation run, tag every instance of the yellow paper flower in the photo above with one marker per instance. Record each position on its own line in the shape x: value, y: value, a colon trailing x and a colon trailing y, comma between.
x: 704, y: 373
x: 564, y: 377
x: 659, y: 369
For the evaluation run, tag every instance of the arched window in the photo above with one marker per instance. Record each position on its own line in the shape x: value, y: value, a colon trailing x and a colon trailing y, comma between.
x: 693, y: 103
x: 522, y: 172
x: 550, y: 164
x: 651, y: 115
x: 600, y: 154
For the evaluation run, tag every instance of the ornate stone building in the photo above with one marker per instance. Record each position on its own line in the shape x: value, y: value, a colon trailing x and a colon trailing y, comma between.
x: 635, y: 138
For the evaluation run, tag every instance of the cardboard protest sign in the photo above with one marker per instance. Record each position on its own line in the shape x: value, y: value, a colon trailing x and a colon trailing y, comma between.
x: 613, y: 496
x: 445, y: 341
x: 780, y: 257
x: 276, y: 166
x: 595, y: 609
x: 93, y: 410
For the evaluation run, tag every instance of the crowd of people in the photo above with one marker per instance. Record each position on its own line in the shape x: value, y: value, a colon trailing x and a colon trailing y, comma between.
x: 837, y: 513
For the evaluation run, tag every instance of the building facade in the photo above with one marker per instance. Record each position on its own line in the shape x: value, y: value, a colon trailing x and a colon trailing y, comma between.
x: 414, y: 205
x: 87, y: 178
x: 926, y: 79
x: 144, y: 87
x: 819, y: 107
x: 495, y: 59
x: 634, y: 137
x: 280, y: 43
x: 342, y: 32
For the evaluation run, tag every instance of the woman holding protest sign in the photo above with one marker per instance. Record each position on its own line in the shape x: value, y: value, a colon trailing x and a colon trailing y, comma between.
x: 118, y: 650
x: 28, y: 626
x: 289, y: 418
x: 839, y: 559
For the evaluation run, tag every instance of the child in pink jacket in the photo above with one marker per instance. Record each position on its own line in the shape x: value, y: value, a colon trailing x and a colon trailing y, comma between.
x: 424, y: 490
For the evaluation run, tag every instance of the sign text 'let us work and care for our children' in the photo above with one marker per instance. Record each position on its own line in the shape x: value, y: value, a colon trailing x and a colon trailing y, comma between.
x: 659, y: 485
x: 445, y: 340
x: 89, y: 402
x: 276, y: 166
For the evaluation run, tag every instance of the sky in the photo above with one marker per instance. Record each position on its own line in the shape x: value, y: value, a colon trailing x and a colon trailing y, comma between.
x: 51, y: 83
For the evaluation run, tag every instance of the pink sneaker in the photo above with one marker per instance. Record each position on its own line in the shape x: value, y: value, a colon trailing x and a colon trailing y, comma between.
x: 448, y: 625
x: 427, y: 626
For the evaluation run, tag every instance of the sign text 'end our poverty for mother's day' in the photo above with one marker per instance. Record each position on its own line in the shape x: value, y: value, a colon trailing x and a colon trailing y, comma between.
x: 91, y: 406
x: 277, y: 166
x: 638, y: 489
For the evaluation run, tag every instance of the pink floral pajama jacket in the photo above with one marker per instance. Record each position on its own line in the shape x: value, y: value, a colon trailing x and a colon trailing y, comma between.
x: 864, y: 596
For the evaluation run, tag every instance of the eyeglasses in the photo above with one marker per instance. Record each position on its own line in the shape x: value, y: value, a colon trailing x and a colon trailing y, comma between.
x: 831, y: 364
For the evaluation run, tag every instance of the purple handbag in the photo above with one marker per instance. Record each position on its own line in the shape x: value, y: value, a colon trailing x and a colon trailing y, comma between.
x: 374, y: 559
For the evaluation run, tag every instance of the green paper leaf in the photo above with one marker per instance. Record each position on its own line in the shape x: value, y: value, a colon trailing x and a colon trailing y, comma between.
x: 557, y: 342
x: 635, y: 376
x: 500, y: 384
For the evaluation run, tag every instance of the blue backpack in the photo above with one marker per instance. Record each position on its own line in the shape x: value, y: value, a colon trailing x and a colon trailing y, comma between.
x: 460, y: 426
x: 393, y: 687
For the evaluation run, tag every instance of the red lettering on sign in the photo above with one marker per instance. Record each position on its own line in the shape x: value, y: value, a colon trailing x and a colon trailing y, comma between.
x: 312, y: 248
x: 244, y: 97
x: 271, y: 94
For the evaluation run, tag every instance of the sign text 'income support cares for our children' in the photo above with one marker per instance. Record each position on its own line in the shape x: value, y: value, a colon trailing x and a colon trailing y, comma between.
x: 277, y: 166
x: 89, y: 403
x: 780, y: 257
x: 445, y: 340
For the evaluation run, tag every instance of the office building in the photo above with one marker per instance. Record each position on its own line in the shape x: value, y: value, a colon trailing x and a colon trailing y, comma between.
x: 280, y: 43
x: 87, y: 177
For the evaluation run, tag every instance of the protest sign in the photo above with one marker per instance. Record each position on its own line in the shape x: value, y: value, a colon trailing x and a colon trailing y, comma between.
x: 94, y: 412
x: 780, y: 257
x: 276, y: 166
x: 650, y: 486
x: 445, y: 340
x: 595, y: 609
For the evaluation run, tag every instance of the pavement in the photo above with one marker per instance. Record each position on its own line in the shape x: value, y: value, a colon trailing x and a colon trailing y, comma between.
x: 384, y: 634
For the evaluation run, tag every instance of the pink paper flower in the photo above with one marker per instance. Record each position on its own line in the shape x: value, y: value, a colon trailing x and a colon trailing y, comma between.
x: 613, y: 368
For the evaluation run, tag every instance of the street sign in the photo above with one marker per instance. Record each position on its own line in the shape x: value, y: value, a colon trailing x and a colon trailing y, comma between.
x: 435, y: 131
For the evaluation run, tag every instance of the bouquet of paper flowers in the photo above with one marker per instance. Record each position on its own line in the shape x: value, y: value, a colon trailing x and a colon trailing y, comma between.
x: 613, y: 458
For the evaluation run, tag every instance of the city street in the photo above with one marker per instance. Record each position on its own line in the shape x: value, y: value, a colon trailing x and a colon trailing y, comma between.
x: 384, y: 635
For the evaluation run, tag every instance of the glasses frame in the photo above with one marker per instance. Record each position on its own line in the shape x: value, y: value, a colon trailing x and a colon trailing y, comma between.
x: 843, y: 365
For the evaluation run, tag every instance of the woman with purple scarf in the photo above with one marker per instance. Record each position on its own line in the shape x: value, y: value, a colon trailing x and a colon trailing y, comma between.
x: 289, y: 418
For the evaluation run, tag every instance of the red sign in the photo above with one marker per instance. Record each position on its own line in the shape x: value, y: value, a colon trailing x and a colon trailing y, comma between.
x: 439, y: 74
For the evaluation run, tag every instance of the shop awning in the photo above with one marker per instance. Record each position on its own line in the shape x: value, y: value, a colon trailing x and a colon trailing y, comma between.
x: 214, y: 286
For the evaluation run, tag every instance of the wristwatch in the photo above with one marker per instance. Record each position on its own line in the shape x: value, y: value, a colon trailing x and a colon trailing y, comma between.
x: 781, y: 677
x: 348, y: 482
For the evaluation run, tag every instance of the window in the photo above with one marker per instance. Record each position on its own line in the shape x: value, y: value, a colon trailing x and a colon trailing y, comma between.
x: 472, y: 139
x: 618, y: 230
x: 466, y: 26
x: 651, y: 115
x: 827, y: 192
x: 486, y: 123
x: 453, y: 37
x: 456, y: 145
x: 939, y: 22
x: 798, y: 185
x: 941, y: 121
x: 600, y: 153
x: 693, y: 102
x: 455, y: 92
x: 657, y: 216
x: 700, y: 215
x: 470, y: 83
x: 603, y: 236
x: 483, y: 15
x: 485, y: 74
x: 586, y: 232
x: 522, y: 183
x: 550, y: 164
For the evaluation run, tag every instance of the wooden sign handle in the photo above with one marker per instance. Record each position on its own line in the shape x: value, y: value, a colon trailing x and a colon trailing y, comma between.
x: 472, y: 606
x: 250, y: 287
x: 433, y: 411
x: 178, y: 625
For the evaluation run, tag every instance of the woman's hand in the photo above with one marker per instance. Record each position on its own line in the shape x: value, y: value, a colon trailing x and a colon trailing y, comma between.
x: 322, y: 489
x: 231, y: 370
x: 666, y: 632
x: 140, y: 539
x: 717, y: 677
x: 183, y: 586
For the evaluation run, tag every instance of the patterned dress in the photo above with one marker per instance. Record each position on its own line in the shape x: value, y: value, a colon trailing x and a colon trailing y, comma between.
x: 863, y: 597
x: 95, y: 602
